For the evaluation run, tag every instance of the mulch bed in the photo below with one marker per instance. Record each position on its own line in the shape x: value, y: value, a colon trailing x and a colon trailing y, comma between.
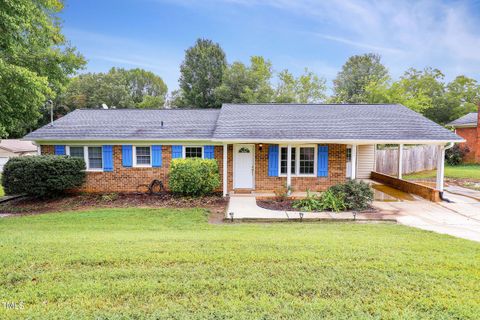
x: 287, y: 205
x: 215, y: 203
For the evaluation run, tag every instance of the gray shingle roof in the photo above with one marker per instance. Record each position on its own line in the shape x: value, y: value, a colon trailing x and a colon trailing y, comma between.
x: 468, y: 119
x: 327, y: 122
x: 130, y: 124
x: 249, y: 122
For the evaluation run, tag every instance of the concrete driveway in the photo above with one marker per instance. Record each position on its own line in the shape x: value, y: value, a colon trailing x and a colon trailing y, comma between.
x: 459, y: 219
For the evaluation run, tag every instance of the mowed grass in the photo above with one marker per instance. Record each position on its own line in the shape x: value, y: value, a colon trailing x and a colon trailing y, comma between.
x: 470, y: 171
x: 148, y: 263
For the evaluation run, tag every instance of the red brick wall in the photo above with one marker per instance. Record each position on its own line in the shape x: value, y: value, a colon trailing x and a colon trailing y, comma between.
x: 128, y: 179
x: 473, y: 143
x: 337, y: 162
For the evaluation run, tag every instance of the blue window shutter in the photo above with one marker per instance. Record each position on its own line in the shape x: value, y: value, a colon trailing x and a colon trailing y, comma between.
x: 127, y: 156
x: 107, y: 153
x: 177, y: 152
x: 59, y: 150
x: 322, y: 167
x: 273, y: 160
x: 157, y: 156
x: 209, y: 152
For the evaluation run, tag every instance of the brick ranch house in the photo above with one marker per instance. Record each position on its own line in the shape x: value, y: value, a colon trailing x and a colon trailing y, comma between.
x: 468, y: 128
x: 259, y: 147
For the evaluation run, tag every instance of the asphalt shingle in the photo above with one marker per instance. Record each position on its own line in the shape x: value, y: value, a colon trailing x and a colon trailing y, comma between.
x: 327, y: 121
x: 468, y: 119
x: 249, y: 122
x: 130, y: 124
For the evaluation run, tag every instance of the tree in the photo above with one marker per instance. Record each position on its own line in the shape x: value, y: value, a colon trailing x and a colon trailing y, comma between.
x: 34, y: 53
x: 358, y: 72
x: 120, y: 88
x: 246, y: 84
x: 461, y: 96
x: 201, y: 73
x: 307, y: 88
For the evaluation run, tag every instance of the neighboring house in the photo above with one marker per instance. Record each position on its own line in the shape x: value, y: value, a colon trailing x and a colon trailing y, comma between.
x: 468, y: 128
x: 15, y: 148
x: 259, y: 147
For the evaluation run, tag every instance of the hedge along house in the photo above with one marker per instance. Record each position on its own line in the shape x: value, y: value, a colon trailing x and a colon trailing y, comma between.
x: 258, y: 147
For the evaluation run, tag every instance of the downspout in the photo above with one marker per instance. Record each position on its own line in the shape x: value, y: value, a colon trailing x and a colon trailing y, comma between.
x: 448, y: 146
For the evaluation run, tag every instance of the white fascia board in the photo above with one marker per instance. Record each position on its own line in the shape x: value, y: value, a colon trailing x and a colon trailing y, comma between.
x: 340, y: 141
x: 465, y: 125
x: 127, y: 142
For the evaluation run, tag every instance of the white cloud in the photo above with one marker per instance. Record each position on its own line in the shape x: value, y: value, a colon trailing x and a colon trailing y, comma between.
x: 407, y: 33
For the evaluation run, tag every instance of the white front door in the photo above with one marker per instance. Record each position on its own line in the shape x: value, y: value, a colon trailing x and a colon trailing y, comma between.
x: 244, y: 155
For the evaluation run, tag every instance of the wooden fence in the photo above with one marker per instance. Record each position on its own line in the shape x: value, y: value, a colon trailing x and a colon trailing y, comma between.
x: 415, y: 159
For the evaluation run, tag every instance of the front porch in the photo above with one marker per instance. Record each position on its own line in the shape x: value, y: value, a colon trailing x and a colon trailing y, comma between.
x: 268, y: 170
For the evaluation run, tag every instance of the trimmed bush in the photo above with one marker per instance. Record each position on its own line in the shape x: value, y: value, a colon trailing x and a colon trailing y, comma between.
x: 193, y: 177
x: 42, y: 176
x: 357, y: 195
x: 454, y: 155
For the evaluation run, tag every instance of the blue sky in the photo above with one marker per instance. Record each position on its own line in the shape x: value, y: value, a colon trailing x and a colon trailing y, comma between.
x: 320, y: 35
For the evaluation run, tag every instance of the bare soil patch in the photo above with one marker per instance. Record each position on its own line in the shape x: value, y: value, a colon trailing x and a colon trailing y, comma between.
x: 215, y: 203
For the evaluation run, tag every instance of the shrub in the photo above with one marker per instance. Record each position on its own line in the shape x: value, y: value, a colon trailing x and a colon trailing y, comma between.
x: 42, y: 176
x: 454, y: 155
x: 310, y: 203
x: 325, y: 201
x: 357, y: 195
x: 193, y: 177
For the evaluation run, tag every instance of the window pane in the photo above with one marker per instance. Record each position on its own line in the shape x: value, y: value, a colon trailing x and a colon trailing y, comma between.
x: 349, y: 154
x: 307, y: 160
x: 143, y: 155
x: 193, y: 152
x: 95, y: 157
x: 76, y: 152
x: 283, y: 160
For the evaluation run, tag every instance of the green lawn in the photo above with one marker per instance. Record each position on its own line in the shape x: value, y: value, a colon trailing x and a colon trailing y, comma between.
x: 460, y: 172
x: 147, y: 263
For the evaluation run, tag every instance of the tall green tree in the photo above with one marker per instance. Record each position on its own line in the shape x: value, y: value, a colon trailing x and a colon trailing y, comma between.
x: 120, y: 88
x: 246, y: 84
x: 201, y: 73
x: 307, y: 88
x: 357, y: 73
x: 35, y: 54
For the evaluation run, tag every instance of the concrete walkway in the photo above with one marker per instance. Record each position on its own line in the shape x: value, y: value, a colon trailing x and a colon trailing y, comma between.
x: 456, y: 219
x: 246, y: 208
x: 464, y: 192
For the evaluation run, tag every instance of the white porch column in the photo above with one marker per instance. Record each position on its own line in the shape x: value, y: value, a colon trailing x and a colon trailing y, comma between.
x: 225, y: 170
x: 289, y: 168
x: 354, y: 162
x: 440, y: 168
x: 400, y: 161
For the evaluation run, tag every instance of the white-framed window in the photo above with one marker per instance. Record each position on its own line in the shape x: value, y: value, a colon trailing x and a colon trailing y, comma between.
x: 92, y: 155
x: 142, y: 156
x: 192, y: 152
x: 303, y: 162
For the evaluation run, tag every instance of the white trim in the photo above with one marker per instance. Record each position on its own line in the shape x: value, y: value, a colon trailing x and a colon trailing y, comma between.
x: 440, y: 168
x: 353, y: 175
x: 339, y: 141
x: 134, y: 155
x: 235, y: 141
x: 297, y: 160
x: 225, y: 170
x: 235, y: 148
x: 85, y: 157
x: 184, y: 147
x: 400, y: 162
